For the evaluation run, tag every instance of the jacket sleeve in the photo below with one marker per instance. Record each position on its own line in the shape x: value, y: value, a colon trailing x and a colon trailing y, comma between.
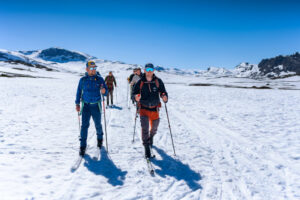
x: 162, y: 88
x: 136, y: 88
x: 103, y: 85
x: 79, y: 91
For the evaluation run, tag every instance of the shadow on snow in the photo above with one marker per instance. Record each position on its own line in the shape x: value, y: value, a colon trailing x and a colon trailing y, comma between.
x: 115, y: 107
x: 172, y: 167
x: 105, y: 167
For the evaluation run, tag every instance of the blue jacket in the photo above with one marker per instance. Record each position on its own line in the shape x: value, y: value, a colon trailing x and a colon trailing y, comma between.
x: 89, y: 89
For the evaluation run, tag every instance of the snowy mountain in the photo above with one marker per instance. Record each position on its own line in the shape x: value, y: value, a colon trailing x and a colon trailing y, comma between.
x: 28, y: 52
x: 19, y: 59
x: 58, y: 59
x: 25, y: 63
x: 62, y: 55
x: 12, y: 56
x: 280, y: 66
x: 46, y: 56
x: 219, y: 72
x: 243, y: 70
x: 246, y: 70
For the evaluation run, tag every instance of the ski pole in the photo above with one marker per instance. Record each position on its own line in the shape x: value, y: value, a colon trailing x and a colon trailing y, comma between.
x: 104, y: 122
x: 116, y: 95
x: 127, y: 96
x: 136, y: 113
x: 79, y: 121
x: 170, y: 129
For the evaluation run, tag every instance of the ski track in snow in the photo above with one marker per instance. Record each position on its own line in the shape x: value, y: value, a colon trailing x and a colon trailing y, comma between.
x: 230, y: 144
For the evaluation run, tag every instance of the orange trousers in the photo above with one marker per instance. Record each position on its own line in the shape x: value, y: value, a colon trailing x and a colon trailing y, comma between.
x: 147, y: 117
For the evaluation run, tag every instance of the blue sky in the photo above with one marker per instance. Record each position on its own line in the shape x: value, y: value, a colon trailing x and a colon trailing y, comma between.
x: 184, y: 34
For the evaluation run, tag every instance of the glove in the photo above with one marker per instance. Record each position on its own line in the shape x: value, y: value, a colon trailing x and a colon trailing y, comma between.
x: 77, y: 107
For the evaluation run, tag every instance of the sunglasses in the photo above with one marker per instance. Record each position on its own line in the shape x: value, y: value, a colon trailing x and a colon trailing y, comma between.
x: 93, y: 68
x: 149, y: 70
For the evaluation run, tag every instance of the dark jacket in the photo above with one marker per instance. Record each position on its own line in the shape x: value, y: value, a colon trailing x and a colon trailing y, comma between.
x: 110, y: 81
x: 89, y: 89
x: 150, y: 94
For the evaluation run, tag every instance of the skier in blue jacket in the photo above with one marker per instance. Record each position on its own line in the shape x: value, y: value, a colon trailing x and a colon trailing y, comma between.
x: 88, y: 92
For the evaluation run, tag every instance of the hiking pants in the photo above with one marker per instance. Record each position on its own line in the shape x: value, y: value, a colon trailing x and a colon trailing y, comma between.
x: 111, y: 95
x: 88, y: 111
x: 148, y: 117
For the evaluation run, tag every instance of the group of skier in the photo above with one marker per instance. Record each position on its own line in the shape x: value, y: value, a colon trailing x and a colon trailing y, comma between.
x: 146, y: 91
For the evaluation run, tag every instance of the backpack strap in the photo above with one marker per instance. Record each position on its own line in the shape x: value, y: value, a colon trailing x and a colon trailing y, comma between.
x: 157, y: 83
x: 141, y: 86
x: 139, y: 103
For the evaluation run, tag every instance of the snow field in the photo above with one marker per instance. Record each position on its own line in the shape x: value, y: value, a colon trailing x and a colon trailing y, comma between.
x: 230, y: 144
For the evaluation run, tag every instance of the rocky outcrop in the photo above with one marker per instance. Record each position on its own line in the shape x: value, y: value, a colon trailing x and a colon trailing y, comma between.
x: 280, y: 66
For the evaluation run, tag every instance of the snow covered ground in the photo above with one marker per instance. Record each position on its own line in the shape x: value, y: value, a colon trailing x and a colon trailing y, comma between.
x: 231, y: 143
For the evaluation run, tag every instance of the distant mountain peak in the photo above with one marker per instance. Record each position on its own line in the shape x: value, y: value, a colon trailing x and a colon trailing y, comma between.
x: 28, y: 52
x: 60, y: 55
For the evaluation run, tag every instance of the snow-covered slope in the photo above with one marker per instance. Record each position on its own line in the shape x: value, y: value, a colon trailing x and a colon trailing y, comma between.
x: 246, y: 70
x: 232, y: 140
x: 52, y: 59
x: 216, y: 71
x: 17, y: 58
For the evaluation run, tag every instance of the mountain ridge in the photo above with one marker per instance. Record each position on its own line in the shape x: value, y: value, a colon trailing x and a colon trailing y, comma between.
x: 48, y: 59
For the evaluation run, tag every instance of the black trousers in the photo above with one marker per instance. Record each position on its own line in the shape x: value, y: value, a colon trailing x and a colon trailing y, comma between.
x: 111, y: 95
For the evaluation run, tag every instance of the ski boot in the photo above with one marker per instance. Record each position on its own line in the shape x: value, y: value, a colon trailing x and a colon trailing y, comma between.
x: 99, y: 143
x: 82, y: 151
x: 147, y: 151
